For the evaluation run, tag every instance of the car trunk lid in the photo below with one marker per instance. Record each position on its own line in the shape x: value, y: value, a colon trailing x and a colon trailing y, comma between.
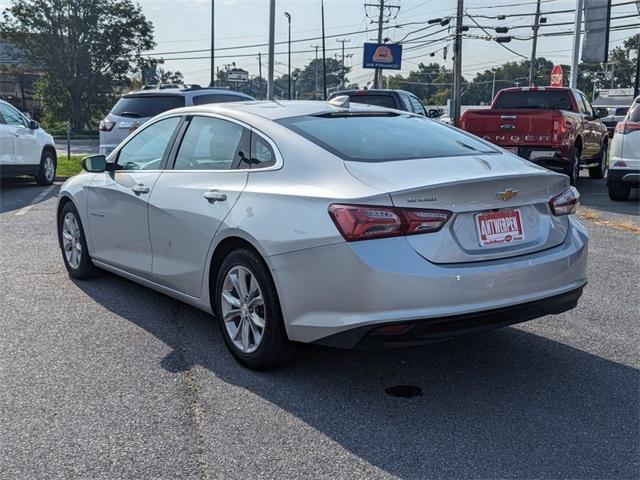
x: 473, y: 186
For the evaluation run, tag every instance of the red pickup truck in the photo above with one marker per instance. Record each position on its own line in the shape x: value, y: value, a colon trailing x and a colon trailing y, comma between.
x: 553, y: 126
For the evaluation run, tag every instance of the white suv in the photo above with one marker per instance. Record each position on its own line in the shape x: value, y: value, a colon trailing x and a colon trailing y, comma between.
x: 624, y: 155
x: 135, y: 108
x: 25, y: 148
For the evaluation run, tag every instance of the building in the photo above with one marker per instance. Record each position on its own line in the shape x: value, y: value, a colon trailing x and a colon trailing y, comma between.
x: 17, y: 80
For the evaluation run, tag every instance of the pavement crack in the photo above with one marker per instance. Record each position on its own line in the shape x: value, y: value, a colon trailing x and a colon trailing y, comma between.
x: 190, y: 379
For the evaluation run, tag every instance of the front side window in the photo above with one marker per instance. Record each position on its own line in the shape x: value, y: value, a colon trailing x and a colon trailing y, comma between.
x: 12, y: 116
x: 417, y: 106
x: 212, y: 144
x: 587, y: 106
x: 146, y: 150
x: 385, y: 137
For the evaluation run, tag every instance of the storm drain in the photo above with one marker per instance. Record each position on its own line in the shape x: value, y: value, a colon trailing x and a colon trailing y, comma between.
x: 404, y: 391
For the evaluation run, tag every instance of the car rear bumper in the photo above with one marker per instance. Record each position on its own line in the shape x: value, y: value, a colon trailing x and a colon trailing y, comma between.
x: 328, y: 290
x: 548, y: 157
x: 626, y: 176
x: 436, y: 329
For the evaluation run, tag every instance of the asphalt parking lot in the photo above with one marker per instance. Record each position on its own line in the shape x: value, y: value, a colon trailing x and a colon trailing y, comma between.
x: 107, y: 379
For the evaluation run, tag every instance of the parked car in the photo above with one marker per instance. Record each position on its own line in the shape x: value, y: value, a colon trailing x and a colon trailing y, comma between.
x: 553, y: 126
x: 612, y: 117
x: 340, y: 225
x: 398, y: 99
x: 25, y: 148
x: 135, y: 108
x: 624, y: 156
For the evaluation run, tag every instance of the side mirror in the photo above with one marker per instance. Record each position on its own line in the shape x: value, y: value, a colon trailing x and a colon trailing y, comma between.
x: 433, y: 113
x: 33, y: 125
x: 601, y: 112
x: 95, y: 163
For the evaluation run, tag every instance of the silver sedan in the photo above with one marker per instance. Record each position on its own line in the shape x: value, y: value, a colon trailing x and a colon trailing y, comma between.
x: 341, y: 225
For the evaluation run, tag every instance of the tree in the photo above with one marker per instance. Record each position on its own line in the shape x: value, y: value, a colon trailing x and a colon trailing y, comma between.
x: 167, y: 76
x: 85, y: 47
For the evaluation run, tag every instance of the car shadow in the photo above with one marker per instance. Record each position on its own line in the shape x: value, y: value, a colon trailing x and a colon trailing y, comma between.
x: 502, y: 404
x: 16, y: 193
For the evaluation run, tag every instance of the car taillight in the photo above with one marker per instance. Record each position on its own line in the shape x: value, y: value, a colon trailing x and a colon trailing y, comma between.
x: 362, y: 222
x: 627, y: 127
x: 559, y: 127
x: 106, y: 125
x: 565, y: 203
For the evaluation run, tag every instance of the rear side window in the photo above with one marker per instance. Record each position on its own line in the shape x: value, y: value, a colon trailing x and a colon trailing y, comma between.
x: 146, y: 106
x: 378, y: 100
x: 212, y: 144
x: 217, y: 98
x: 262, y: 155
x: 634, y: 113
x: 541, y: 99
x: 382, y: 137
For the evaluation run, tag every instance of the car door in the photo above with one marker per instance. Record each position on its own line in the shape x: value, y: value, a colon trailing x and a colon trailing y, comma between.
x: 191, y: 201
x: 6, y: 144
x: 118, y: 200
x: 26, y: 147
x: 591, y: 146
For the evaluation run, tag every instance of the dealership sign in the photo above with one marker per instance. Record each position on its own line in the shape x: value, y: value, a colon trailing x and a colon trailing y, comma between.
x: 237, y: 75
x: 382, y: 55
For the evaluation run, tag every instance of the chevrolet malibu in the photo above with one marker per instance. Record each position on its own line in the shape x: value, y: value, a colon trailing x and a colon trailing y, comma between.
x: 342, y: 225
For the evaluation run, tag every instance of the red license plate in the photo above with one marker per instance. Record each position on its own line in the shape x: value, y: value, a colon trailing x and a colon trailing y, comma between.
x: 498, y: 228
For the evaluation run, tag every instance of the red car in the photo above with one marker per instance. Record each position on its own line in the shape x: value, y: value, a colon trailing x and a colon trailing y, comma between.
x: 553, y: 126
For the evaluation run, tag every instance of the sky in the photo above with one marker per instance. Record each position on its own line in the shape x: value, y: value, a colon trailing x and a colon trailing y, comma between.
x: 184, y: 25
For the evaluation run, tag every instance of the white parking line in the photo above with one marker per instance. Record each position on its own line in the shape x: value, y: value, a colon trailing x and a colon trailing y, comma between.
x: 36, y: 200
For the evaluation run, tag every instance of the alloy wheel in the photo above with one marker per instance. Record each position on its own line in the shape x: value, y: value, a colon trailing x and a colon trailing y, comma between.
x: 49, y: 169
x: 71, y: 243
x: 243, y: 310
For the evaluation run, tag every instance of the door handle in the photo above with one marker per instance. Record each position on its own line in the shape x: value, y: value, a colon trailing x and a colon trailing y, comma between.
x: 214, y: 196
x: 140, y: 188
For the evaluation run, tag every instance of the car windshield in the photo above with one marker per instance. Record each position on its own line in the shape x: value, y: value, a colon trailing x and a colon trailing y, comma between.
x: 146, y: 106
x: 376, y: 100
x: 540, y: 99
x: 383, y: 137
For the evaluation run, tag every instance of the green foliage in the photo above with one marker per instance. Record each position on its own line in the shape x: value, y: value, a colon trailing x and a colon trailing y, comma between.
x: 92, y: 49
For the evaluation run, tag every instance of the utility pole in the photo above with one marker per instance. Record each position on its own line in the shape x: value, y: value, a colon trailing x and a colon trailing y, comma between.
x: 212, y: 82
x: 288, y: 15
x: 324, y: 56
x: 577, y: 31
x: 532, y: 63
x: 457, y: 66
x: 343, y: 41
x: 272, y: 37
x: 260, y: 73
x: 315, y: 71
x: 382, y: 7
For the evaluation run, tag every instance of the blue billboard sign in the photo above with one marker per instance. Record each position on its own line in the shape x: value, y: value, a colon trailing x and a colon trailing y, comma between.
x: 382, y: 55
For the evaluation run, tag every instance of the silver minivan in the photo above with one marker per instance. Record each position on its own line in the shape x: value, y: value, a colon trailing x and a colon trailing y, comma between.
x: 135, y: 108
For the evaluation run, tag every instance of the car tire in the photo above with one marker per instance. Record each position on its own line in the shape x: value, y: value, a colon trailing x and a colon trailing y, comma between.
x: 47, y: 171
x: 572, y: 168
x: 619, y: 192
x: 598, y: 171
x: 250, y: 318
x: 73, y: 244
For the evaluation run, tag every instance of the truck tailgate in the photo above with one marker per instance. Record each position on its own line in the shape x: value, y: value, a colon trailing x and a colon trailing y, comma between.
x: 511, y: 127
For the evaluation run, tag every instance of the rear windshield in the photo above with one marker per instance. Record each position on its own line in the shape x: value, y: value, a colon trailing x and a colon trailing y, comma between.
x: 218, y: 98
x: 146, y: 106
x: 383, y: 137
x: 541, y: 99
x: 378, y: 100
x: 634, y: 114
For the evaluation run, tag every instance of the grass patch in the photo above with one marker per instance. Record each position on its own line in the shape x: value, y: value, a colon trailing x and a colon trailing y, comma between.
x: 67, y: 167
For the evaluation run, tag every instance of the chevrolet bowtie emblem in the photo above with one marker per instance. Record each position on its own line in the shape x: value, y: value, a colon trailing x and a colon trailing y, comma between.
x: 506, y: 194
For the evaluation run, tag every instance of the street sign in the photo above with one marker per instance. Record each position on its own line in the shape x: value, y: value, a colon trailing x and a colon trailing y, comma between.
x: 557, y: 76
x: 382, y: 55
x: 237, y: 75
